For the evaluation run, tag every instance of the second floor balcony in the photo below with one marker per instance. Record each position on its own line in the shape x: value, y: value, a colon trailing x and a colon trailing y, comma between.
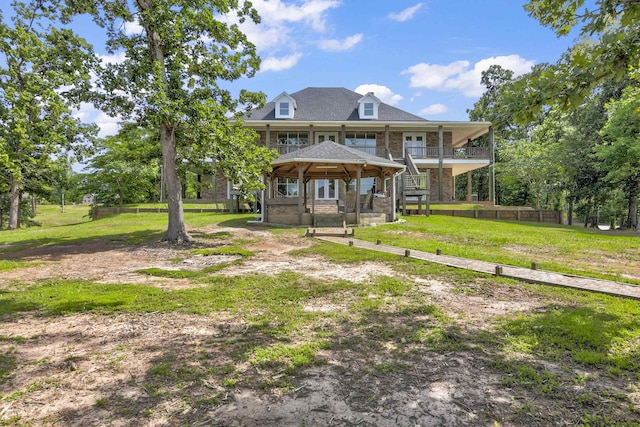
x: 481, y: 153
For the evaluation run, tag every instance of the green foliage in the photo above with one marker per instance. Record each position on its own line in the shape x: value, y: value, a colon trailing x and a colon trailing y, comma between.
x: 127, y: 169
x: 26, y: 214
x: 620, y: 152
x: 609, y: 49
x: 534, y: 160
x: 38, y: 87
x: 170, y: 80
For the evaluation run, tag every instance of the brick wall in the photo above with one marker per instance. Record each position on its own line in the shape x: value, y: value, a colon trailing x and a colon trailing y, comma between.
x: 447, y: 185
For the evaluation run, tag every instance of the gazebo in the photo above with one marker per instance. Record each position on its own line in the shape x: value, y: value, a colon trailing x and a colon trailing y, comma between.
x: 331, y: 162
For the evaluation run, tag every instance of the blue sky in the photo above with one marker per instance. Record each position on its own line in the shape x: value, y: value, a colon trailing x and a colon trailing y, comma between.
x: 424, y: 57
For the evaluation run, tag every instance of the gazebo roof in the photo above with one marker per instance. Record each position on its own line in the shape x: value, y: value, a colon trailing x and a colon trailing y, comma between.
x: 331, y: 160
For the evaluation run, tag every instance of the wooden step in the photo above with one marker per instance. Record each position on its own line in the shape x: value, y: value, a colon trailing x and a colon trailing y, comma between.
x: 330, y: 231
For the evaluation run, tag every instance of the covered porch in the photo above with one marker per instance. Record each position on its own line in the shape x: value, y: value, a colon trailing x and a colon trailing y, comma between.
x: 324, y: 185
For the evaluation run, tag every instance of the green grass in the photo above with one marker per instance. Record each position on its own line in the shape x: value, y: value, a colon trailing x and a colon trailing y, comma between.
x: 565, y: 249
x: 7, y: 265
x: 126, y: 228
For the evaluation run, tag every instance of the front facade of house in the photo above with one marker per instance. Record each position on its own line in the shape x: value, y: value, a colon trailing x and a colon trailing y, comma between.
x: 429, y: 154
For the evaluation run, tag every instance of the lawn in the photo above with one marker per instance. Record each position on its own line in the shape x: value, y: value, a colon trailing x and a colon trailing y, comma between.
x: 285, y: 330
x: 576, y: 250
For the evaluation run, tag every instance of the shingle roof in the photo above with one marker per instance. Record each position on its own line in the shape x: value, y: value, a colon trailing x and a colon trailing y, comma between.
x: 332, y: 152
x: 330, y: 104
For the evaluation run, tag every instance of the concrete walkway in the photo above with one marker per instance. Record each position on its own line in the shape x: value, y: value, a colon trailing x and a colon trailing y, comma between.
x: 519, y: 273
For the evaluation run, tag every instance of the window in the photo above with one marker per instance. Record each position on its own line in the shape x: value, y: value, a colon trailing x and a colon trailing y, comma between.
x: 365, y: 142
x: 326, y: 189
x: 366, y: 185
x: 368, y: 109
x: 291, y: 141
x: 284, y: 109
x: 287, y: 187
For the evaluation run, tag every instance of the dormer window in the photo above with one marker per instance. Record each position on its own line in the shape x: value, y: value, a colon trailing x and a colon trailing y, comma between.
x: 284, y: 109
x: 285, y: 106
x: 368, y: 109
x: 368, y: 106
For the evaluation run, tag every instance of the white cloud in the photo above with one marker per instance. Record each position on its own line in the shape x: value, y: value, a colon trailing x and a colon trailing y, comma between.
x: 108, y: 125
x: 459, y: 75
x: 112, y: 59
x: 280, y: 19
x: 340, y: 45
x: 312, y: 12
x: 278, y: 64
x: 131, y: 28
x: 406, y: 14
x: 383, y: 93
x: 433, y: 110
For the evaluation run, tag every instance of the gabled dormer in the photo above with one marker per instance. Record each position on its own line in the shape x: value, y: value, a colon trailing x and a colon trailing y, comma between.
x: 285, y: 106
x: 368, y: 106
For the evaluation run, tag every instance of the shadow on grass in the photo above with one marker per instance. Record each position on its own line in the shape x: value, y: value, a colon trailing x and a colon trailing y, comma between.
x: 52, y: 249
x: 398, y: 354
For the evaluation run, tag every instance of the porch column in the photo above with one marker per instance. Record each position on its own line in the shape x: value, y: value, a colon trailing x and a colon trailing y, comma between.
x: 440, y: 162
x: 358, y: 177
x: 300, y: 192
x: 311, y: 140
x: 267, y: 136
x: 469, y: 196
x: 386, y: 141
x: 492, y: 178
x: 342, y: 136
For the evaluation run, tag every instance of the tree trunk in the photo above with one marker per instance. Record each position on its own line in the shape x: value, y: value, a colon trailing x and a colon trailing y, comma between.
x: 632, y: 195
x: 176, y: 230
x: 570, y: 212
x: 14, y: 205
x: 595, y: 213
x: 632, y: 220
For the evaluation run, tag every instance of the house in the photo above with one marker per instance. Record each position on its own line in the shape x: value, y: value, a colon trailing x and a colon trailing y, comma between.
x: 346, y: 155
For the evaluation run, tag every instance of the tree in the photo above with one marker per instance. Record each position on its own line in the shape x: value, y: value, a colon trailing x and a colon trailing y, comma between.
x: 621, y: 151
x: 534, y: 160
x: 43, y: 73
x: 169, y: 78
x: 609, y: 48
x: 126, y: 169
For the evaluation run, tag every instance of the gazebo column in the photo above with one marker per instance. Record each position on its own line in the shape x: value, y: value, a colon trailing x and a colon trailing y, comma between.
x: 263, y: 210
x: 300, y: 192
x: 393, y: 196
x: 440, y: 162
x: 358, y: 178
x: 492, y: 178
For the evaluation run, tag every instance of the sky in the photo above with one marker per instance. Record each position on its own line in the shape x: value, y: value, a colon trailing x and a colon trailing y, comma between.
x: 425, y: 57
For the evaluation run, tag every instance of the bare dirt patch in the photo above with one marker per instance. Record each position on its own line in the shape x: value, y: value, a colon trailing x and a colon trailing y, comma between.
x: 161, y: 369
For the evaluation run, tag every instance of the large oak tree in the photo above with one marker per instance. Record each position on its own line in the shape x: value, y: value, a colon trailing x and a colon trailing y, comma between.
x: 170, y: 77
